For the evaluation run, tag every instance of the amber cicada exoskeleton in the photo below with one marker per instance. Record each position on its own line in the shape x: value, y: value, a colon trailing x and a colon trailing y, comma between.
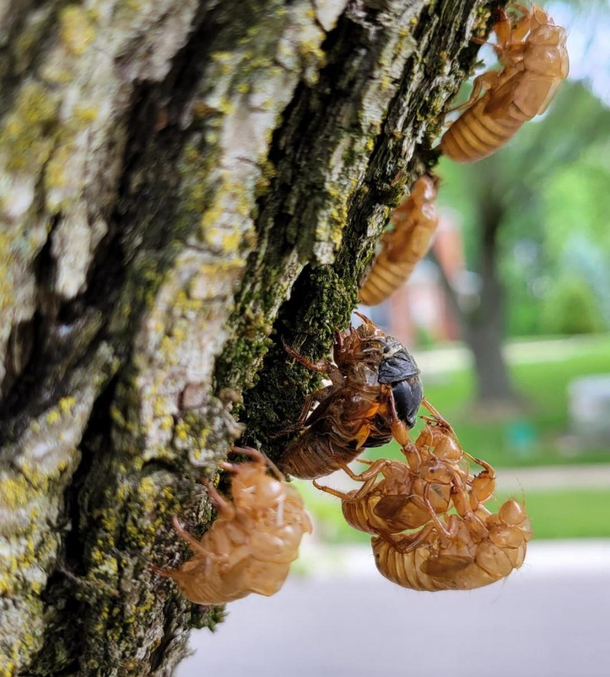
x: 467, y: 554
x: 251, y: 545
x: 534, y: 62
x: 415, y: 221
x: 410, y: 494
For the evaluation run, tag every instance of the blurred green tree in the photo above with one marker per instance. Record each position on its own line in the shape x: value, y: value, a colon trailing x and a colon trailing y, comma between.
x: 571, y: 307
x: 533, y: 213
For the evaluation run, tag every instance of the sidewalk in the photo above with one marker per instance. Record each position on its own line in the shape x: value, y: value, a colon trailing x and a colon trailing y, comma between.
x: 549, y: 619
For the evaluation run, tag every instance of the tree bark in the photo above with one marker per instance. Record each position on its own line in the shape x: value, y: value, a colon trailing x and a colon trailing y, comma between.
x: 183, y: 185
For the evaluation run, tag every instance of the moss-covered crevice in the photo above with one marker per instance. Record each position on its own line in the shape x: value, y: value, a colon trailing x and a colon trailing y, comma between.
x: 436, y: 58
x: 318, y: 154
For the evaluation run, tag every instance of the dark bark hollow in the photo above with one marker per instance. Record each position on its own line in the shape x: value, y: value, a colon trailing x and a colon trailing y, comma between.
x: 182, y: 184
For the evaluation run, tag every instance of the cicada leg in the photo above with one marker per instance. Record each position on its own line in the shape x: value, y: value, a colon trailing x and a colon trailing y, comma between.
x: 257, y: 456
x: 412, y: 453
x: 251, y: 452
x: 316, y: 396
x: 407, y: 543
x: 375, y: 468
x: 364, y: 318
x: 224, y: 508
x: 463, y: 507
x: 369, y: 477
x: 483, y: 485
x: 322, y: 367
x: 438, y: 523
x: 480, y: 84
x: 193, y: 543
x: 400, y: 432
x: 334, y: 492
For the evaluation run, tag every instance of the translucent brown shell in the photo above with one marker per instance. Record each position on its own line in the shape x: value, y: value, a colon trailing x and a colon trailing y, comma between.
x: 415, y: 221
x: 410, y: 494
x: 477, y: 552
x: 250, y: 546
x: 534, y: 61
x: 439, y: 551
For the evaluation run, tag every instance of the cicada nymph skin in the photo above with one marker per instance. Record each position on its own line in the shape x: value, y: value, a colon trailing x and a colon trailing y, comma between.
x: 415, y: 221
x: 534, y: 60
x: 374, y: 396
x: 419, y: 543
x: 412, y: 493
x: 476, y: 553
x: 358, y: 506
x: 250, y: 546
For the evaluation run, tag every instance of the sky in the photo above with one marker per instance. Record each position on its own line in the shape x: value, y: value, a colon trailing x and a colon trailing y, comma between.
x: 588, y: 43
x: 588, y: 26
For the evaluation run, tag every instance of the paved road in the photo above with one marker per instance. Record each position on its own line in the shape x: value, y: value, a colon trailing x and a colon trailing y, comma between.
x: 550, y: 619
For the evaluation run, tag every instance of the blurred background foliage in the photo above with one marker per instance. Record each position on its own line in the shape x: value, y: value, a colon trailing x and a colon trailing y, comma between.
x: 551, y: 183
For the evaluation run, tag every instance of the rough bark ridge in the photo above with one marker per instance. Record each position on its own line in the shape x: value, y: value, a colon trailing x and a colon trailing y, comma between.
x: 182, y: 184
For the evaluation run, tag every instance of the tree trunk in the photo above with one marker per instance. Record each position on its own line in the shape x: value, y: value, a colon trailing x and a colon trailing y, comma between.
x: 482, y: 326
x: 183, y: 184
x: 485, y: 330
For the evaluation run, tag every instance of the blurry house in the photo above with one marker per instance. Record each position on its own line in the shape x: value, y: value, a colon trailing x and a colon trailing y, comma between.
x: 419, y: 311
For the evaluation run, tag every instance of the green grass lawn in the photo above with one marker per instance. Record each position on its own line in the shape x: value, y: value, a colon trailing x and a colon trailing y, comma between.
x: 536, y: 437
x: 555, y: 514
x: 577, y: 513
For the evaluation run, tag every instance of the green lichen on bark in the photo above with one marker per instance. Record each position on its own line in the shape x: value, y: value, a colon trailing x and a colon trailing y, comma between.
x: 199, y: 180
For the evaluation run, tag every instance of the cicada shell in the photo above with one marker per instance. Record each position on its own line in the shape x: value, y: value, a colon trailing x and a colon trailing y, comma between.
x: 534, y: 61
x: 475, y: 553
x: 251, y: 545
x: 374, y: 396
x: 415, y: 222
